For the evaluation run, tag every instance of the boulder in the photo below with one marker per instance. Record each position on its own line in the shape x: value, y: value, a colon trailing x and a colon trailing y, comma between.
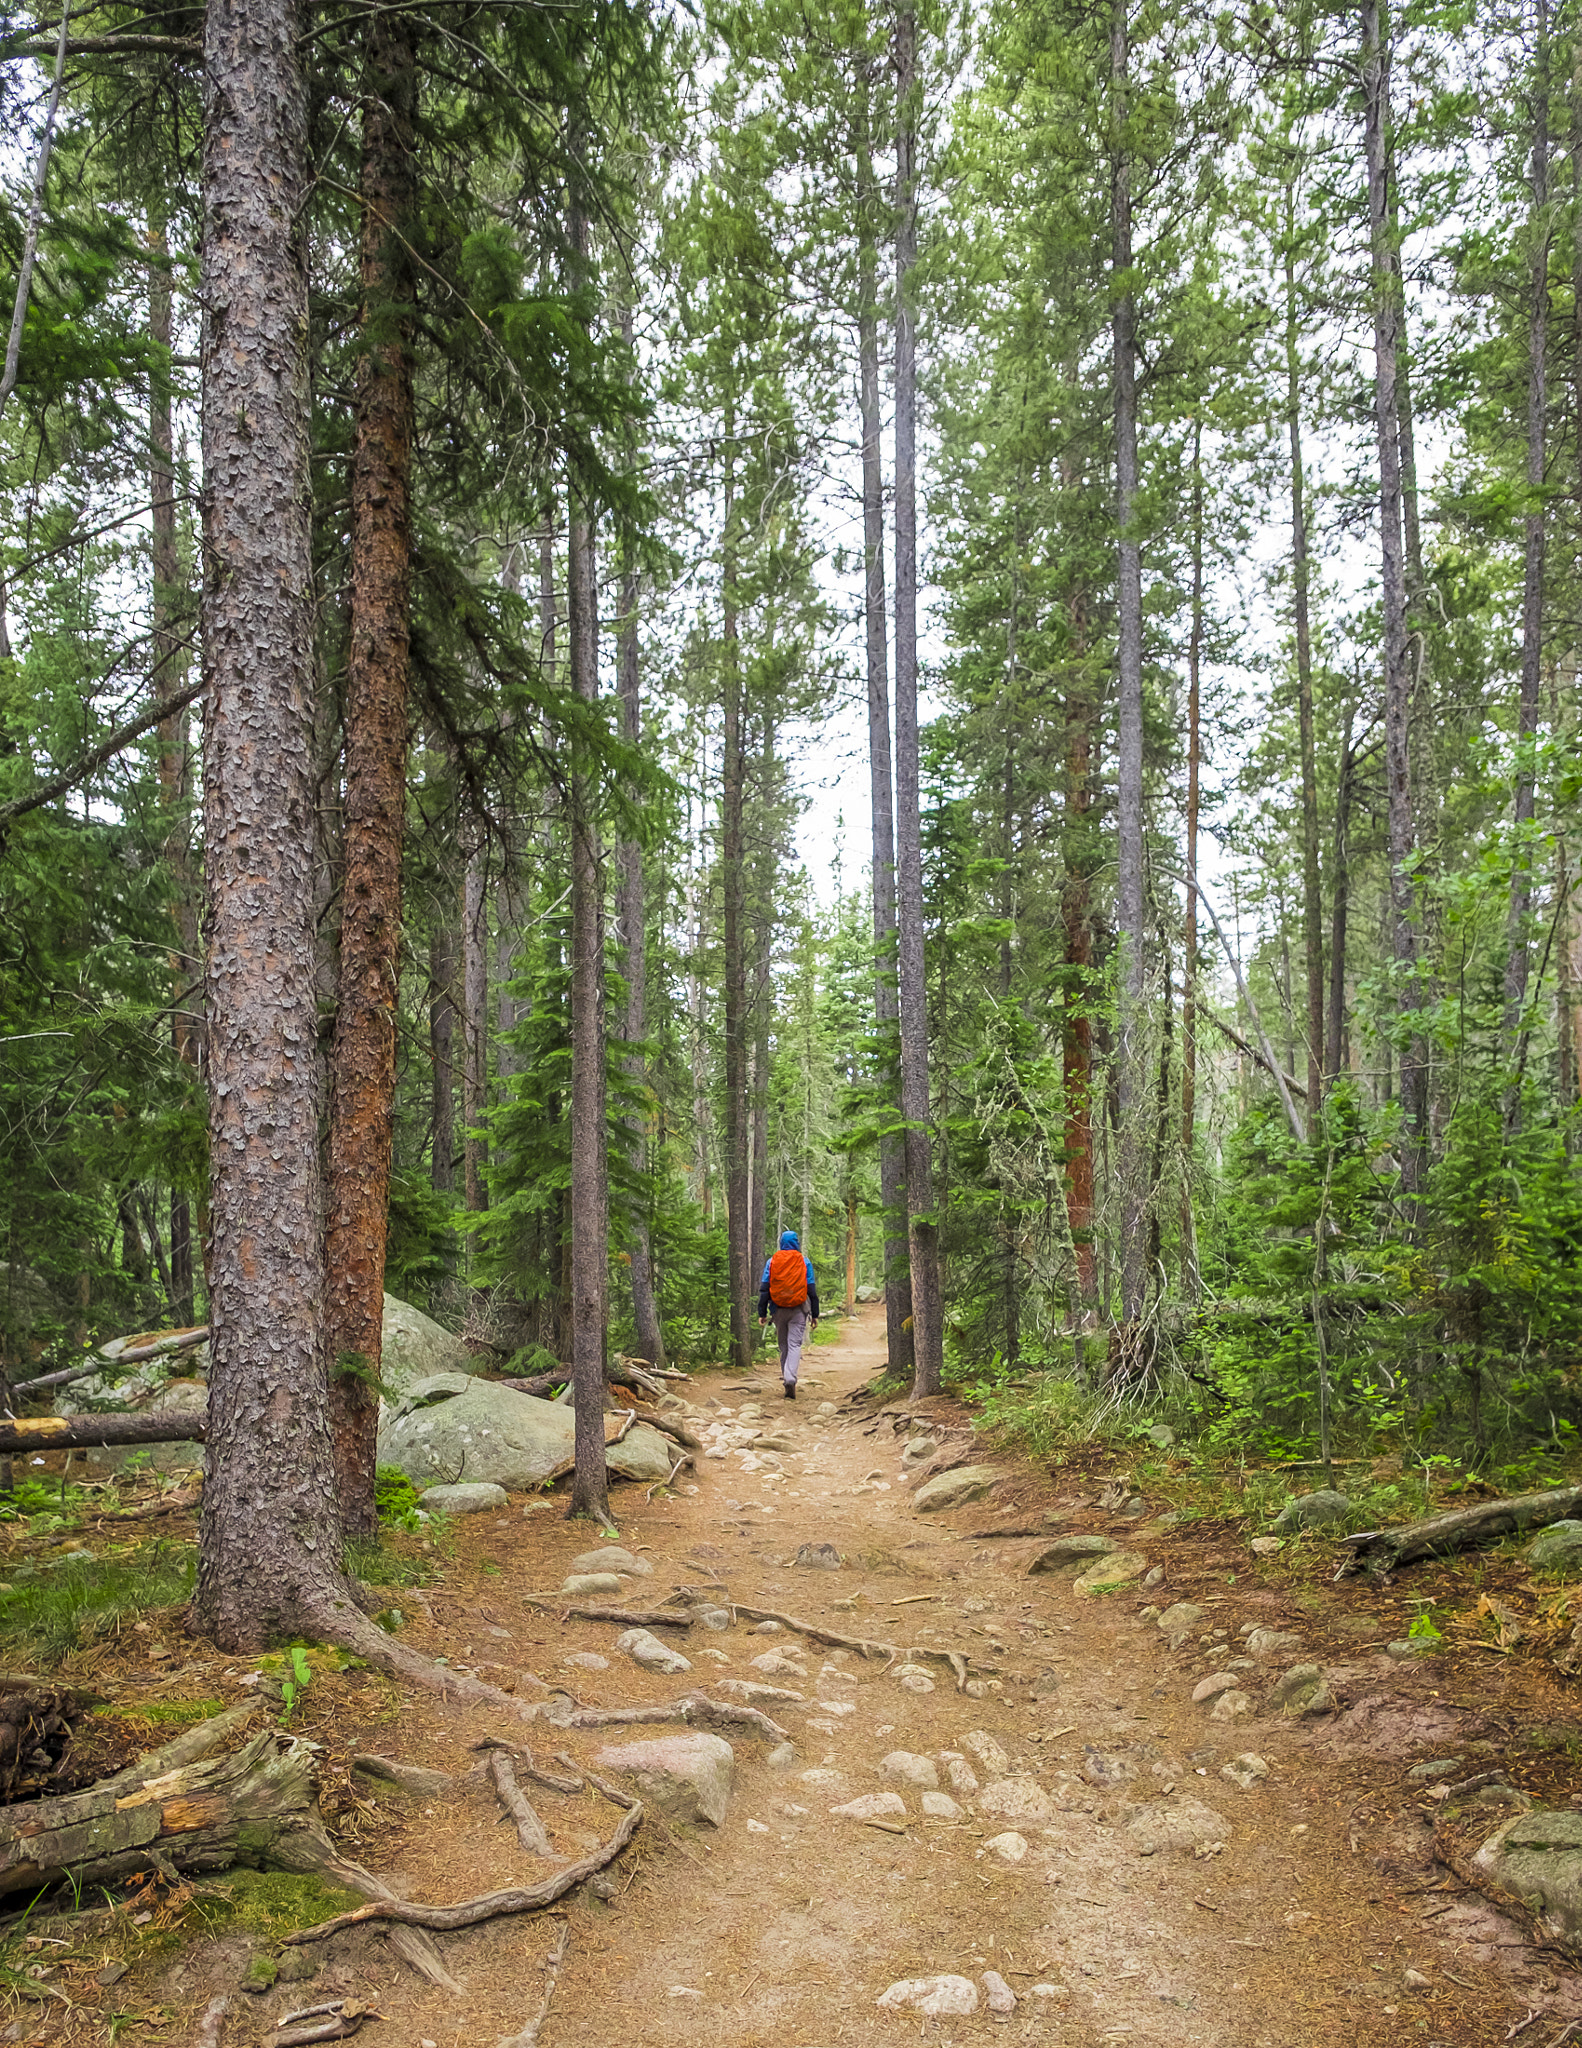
x: 955, y: 1489
x: 1187, y: 1825
x: 685, y: 1777
x: 451, y: 1426
x: 412, y: 1347
x: 1073, y: 1553
x: 907, y: 1769
x: 1106, y: 1573
x: 475, y: 1499
x: 941, y: 1997
x: 1537, y: 1858
x: 648, y: 1651
x: 1557, y: 1548
x: 1312, y: 1511
x: 612, y: 1558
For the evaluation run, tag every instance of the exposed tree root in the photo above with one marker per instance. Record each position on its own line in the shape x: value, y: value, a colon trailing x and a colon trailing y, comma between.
x: 628, y: 1617
x: 492, y: 1905
x: 530, y: 1831
x: 522, y: 1760
x: 696, y: 1709
x: 528, y: 2038
x: 1381, y: 1550
x: 347, y: 1628
x: 817, y: 1633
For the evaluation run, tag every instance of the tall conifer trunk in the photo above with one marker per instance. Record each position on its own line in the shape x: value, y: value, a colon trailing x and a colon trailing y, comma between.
x: 1189, y: 1264
x: 733, y: 878
x: 475, y: 1019
x: 1312, y: 894
x: 363, y: 1056
x: 1404, y: 937
x: 892, y: 1156
x: 922, y: 1228
x: 269, y: 1556
x: 1131, y: 1066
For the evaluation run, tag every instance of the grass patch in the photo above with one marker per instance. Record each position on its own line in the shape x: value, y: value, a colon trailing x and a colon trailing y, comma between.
x: 53, y: 1606
x: 387, y: 1560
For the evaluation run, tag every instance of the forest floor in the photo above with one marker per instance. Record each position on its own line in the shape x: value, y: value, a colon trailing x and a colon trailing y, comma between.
x: 781, y: 1928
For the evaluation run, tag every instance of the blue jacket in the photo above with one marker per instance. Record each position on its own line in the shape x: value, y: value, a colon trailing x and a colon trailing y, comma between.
x: 789, y: 1242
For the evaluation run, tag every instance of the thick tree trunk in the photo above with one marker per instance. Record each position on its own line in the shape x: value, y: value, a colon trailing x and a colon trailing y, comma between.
x: 1079, y: 993
x: 1340, y: 903
x: 1517, y: 935
x: 363, y: 1055
x: 762, y: 919
x: 1191, y: 1280
x: 733, y: 797
x: 1312, y: 893
x: 475, y: 1020
x: 1131, y: 1066
x: 442, y: 965
x: 648, y: 1340
x: 1392, y: 586
x: 269, y: 1546
x: 892, y: 1155
x: 922, y: 1226
x: 171, y: 663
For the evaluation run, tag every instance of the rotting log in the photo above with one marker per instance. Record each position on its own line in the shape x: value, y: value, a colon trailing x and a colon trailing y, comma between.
x: 1382, y: 1550
x: 95, y: 1432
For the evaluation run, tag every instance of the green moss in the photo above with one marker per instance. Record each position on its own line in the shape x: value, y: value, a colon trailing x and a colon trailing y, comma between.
x: 51, y: 1607
x: 260, y: 1973
x: 268, y: 1904
x: 167, y: 1713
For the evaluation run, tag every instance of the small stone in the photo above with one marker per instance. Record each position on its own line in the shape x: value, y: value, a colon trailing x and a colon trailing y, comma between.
x: 1108, y: 1573
x: 1211, y: 1687
x: 1269, y: 1642
x: 1411, y: 1646
x: 112, y: 1973
x: 963, y: 1778
x: 612, y: 1558
x: 650, y: 1652
x: 955, y: 1489
x: 986, y: 1752
x: 1245, y: 1770
x: 686, y: 1777
x: 474, y: 1498
x: 757, y: 1827
x: 1440, y: 1767
x: 1017, y: 1799
x: 914, y: 1678
x: 714, y: 1656
x: 1102, y: 1770
x: 1301, y: 1690
x: 1068, y: 1552
x: 716, y: 1618
x: 260, y: 1974
x: 872, y: 1806
x: 919, y: 1450
x: 1266, y: 1546
x: 782, y: 1757
x: 776, y: 1664
x: 1416, y: 1981
x: 1154, y: 1577
x: 935, y: 1997
x: 940, y: 1806
x: 1559, y: 1546
x: 1161, y: 1436
x: 592, y: 1586
x: 818, y: 1557
x: 538, y: 1507
x: 908, y: 1769
x: 767, y: 1628
x: 297, y: 1966
x: 997, y: 1994
x: 1231, y: 1706
x: 587, y: 1660
x: 749, y: 1694
x: 1178, y: 1622
x: 1311, y: 1511
x: 1009, y: 1847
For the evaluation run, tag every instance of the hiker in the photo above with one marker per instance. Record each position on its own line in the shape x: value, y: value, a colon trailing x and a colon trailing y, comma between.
x: 789, y: 1290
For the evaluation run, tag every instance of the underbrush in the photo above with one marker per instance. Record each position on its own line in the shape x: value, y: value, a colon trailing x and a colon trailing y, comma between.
x: 52, y: 1606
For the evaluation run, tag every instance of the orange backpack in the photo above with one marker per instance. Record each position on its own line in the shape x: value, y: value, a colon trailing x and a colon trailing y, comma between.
x: 788, y: 1279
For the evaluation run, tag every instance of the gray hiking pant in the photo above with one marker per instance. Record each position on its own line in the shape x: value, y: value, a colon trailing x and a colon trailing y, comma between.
x: 791, y: 1329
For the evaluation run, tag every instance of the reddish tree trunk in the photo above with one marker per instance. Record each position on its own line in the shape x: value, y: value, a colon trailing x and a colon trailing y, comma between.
x: 1076, y: 911
x: 363, y: 1057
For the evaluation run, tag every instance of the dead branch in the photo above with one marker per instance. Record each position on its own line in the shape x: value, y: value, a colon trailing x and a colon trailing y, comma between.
x: 618, y: 1373
x: 628, y: 1617
x: 530, y: 1831
x: 213, y: 2020
x: 694, y: 1708
x: 1382, y: 1550
x: 492, y: 1905
x: 94, y: 1432
x: 528, y: 2038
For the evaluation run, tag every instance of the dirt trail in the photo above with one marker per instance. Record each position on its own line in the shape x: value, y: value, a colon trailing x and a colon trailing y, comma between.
x: 1122, y: 1924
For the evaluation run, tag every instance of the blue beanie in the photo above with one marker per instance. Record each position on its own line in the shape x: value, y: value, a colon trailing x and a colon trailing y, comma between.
x: 789, y: 1241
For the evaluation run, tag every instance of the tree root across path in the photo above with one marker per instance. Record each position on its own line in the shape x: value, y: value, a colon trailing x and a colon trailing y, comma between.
x: 628, y: 1617
x: 492, y: 1905
x: 528, y: 2038
x: 696, y: 1709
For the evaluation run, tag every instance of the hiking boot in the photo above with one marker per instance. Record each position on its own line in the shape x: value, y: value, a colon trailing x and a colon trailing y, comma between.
x: 790, y: 1390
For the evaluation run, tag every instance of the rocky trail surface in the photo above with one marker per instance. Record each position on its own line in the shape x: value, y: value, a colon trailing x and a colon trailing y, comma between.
x: 1091, y: 1782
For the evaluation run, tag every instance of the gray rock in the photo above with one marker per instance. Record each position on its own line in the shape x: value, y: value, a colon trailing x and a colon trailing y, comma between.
x: 955, y: 1489
x: 818, y: 1557
x: 1312, y: 1511
x: 1301, y: 1690
x: 986, y: 1752
x: 1440, y: 1767
x: 414, y: 1347
x: 1537, y: 1858
x: 1154, y: 1577
x: 586, y: 1660
x: 580, y: 1585
x: 908, y: 1769
x: 1559, y: 1547
x: 686, y: 1777
x: 866, y: 1294
x: 1269, y: 1642
x: 475, y: 1499
x: 1179, y: 1621
x: 1105, y: 1574
x: 1245, y: 1770
x: 1411, y: 1646
x: 451, y: 1427
x: 919, y: 1450
x: 963, y: 1778
x: 1231, y: 1706
x: 651, y: 1653
x: 1017, y: 1799
x: 942, y: 1997
x: 718, y: 1618
x: 782, y: 1757
x: 872, y: 1806
x: 1186, y: 1826
x: 1161, y: 1435
x: 1009, y: 1847
x: 776, y: 1664
x: 997, y: 1994
x: 751, y: 1694
x: 1211, y: 1687
x: 1071, y: 1553
x: 940, y: 1806
x: 612, y: 1558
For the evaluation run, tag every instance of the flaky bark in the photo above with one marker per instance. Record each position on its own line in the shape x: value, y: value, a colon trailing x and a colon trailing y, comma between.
x: 363, y: 1055
x: 269, y: 1546
x: 1312, y: 896
x: 1189, y: 964
x: 734, y: 935
x: 475, y: 1021
x: 892, y: 1154
x: 922, y: 1226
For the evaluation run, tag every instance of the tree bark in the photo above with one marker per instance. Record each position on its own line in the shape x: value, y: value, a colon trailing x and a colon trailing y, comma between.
x: 922, y: 1226
x: 1131, y: 1066
x: 1312, y: 893
x: 1392, y: 583
x: 1340, y: 902
x: 475, y: 1020
x: 269, y: 1543
x: 442, y: 1044
x: 733, y: 877
x: 363, y: 1054
x: 1517, y: 934
x: 892, y: 1157
x: 1076, y: 1028
x: 1190, y: 1277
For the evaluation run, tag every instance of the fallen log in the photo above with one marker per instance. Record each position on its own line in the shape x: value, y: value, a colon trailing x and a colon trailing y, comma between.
x: 95, y: 1432
x: 491, y: 1905
x: 1382, y: 1550
x: 117, y: 1352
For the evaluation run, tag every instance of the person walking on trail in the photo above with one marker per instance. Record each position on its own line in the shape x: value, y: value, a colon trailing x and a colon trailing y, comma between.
x: 789, y: 1292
